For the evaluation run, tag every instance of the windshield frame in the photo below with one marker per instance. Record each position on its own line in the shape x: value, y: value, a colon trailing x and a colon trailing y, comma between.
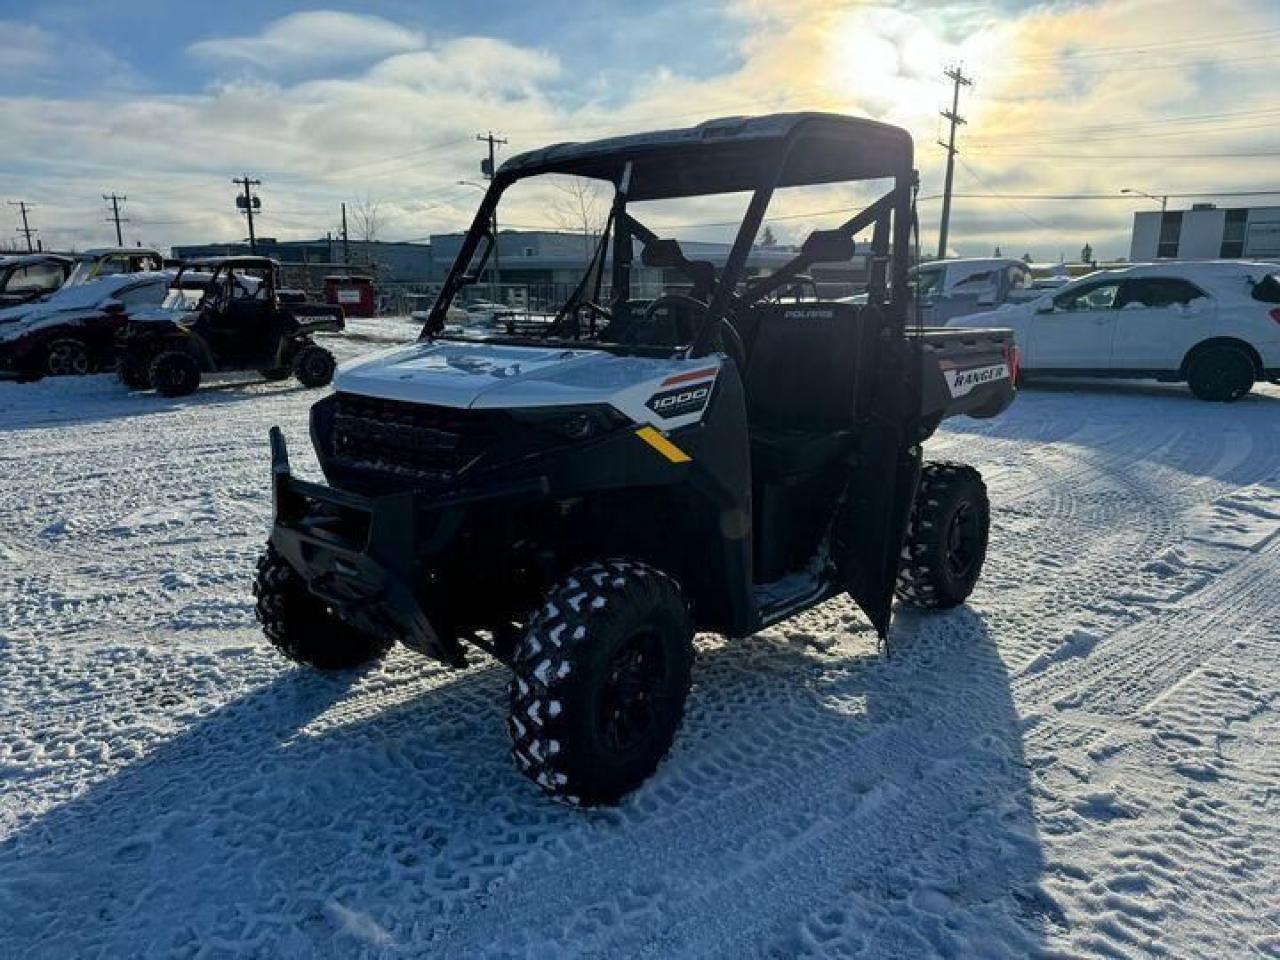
x: 891, y: 216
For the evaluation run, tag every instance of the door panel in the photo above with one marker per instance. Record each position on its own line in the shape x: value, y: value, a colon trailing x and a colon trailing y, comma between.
x: 1077, y: 333
x: 1157, y: 322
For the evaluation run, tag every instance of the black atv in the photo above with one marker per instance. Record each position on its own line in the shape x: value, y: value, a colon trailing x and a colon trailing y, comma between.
x: 223, y: 314
x: 579, y: 500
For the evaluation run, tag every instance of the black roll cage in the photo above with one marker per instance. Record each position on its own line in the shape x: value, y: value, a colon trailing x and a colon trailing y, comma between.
x: 218, y: 267
x: 787, y: 137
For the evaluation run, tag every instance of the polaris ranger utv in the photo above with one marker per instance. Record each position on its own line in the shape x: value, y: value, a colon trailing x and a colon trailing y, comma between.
x: 580, y: 503
x: 227, y: 313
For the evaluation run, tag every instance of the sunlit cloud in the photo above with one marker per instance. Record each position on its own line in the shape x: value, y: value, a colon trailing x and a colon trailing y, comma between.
x: 1077, y: 98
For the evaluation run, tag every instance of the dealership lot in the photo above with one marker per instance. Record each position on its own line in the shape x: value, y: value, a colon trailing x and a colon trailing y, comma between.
x: 1082, y: 759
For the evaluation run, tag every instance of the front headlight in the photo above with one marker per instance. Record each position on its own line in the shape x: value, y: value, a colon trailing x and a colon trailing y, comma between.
x: 571, y: 423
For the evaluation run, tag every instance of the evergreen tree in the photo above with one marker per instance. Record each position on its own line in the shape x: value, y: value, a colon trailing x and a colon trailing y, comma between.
x: 1086, y: 254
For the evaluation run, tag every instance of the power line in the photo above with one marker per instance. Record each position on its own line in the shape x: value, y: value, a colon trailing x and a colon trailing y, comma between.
x: 1009, y: 203
x: 1111, y: 138
x: 1108, y: 196
x: 1093, y: 157
x: 1130, y: 127
x: 1224, y: 40
x: 115, y: 215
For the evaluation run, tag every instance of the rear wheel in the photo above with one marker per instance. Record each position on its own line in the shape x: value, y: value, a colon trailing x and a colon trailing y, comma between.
x: 175, y: 374
x: 299, y: 625
x: 947, y: 537
x: 1220, y: 374
x: 67, y: 357
x: 601, y: 677
x: 314, y: 366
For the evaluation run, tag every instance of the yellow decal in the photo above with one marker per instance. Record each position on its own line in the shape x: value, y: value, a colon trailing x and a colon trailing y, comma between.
x: 655, y: 439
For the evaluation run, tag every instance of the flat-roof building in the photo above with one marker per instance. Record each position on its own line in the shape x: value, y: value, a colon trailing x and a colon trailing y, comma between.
x: 1206, y: 232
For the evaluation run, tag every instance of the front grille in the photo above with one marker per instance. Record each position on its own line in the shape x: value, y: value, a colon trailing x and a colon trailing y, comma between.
x: 414, y: 438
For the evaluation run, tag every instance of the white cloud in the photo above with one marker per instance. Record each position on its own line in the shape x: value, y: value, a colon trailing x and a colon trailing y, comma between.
x: 316, y: 38
x: 26, y: 47
x: 38, y: 57
x: 469, y: 62
x: 401, y: 129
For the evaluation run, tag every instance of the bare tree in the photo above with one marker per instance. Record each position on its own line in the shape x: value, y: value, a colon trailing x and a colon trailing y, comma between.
x: 580, y: 207
x: 367, y: 219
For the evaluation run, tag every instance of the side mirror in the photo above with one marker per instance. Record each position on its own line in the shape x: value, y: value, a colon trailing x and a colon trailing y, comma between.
x: 479, y: 258
x: 113, y: 307
x: 827, y: 246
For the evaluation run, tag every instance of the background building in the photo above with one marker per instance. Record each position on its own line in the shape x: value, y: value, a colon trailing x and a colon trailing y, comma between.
x: 534, y: 268
x: 1206, y: 232
x: 390, y: 262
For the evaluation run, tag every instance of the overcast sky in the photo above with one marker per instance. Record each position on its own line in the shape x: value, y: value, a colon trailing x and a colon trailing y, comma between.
x: 167, y: 102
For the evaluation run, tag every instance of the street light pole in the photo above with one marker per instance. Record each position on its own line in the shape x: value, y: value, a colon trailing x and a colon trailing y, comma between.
x: 493, y: 269
x: 1163, y: 198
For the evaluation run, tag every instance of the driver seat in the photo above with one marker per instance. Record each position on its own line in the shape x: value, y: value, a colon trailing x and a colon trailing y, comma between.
x: 802, y: 384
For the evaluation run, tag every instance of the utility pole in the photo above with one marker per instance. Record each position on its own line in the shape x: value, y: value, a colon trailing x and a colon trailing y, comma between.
x: 958, y: 79
x: 346, y: 241
x: 27, y: 230
x: 115, y: 215
x: 247, y: 204
x: 488, y: 167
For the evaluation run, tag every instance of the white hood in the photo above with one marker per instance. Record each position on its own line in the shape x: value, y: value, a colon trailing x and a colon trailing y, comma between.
x: 497, y: 376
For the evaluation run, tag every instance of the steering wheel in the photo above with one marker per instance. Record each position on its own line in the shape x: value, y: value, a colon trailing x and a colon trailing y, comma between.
x: 730, y: 339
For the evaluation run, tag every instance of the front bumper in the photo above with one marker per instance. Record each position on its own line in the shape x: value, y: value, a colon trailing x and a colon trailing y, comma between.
x: 362, y: 555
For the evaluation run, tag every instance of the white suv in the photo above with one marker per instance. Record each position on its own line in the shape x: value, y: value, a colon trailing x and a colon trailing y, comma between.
x: 1214, y: 324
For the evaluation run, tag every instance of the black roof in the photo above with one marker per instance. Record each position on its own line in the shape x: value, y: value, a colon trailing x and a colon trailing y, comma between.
x: 731, y: 155
x: 98, y: 252
x: 236, y: 261
x: 22, y: 259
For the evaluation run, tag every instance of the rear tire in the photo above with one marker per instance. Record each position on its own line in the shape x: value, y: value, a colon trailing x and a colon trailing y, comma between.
x: 67, y: 357
x: 946, y: 538
x: 133, y: 372
x: 299, y: 625
x: 175, y: 374
x: 601, y: 677
x: 1220, y: 374
x: 314, y: 366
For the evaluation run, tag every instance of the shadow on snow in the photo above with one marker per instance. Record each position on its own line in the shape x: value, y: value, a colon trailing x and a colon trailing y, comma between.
x: 819, y: 796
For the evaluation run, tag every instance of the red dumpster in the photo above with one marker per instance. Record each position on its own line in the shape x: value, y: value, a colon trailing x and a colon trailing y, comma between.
x: 354, y: 294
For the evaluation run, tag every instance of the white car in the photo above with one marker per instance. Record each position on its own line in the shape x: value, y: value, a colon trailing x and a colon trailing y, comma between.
x: 1213, y: 324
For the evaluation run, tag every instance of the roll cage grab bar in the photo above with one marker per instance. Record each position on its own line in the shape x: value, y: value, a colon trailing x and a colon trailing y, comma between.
x: 890, y: 217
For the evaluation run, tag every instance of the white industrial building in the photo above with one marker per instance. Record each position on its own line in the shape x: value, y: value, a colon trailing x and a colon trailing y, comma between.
x: 1206, y: 232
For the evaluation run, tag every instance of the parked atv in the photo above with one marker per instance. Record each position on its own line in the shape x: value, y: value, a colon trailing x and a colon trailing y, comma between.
x: 227, y: 313
x: 579, y: 502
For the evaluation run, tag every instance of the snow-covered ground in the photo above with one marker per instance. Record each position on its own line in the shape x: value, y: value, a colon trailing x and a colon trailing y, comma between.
x: 1085, y: 761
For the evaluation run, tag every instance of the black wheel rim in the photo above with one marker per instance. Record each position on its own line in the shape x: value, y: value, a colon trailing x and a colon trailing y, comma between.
x: 632, y: 692
x: 1224, y: 377
x: 68, y: 359
x: 964, y: 540
x: 316, y: 365
x: 176, y: 378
